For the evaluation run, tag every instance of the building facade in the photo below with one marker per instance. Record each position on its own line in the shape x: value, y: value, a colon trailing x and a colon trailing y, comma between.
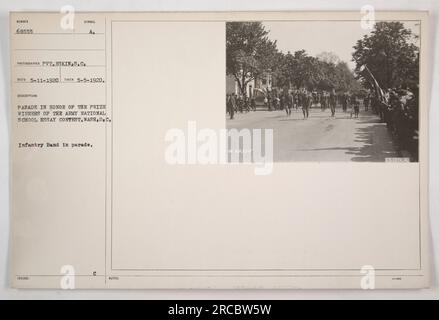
x: 262, y: 84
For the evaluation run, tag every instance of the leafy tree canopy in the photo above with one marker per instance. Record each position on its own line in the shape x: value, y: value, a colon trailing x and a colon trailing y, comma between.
x: 391, y: 54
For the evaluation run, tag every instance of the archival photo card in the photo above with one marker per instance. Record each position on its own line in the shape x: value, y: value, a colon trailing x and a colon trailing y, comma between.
x: 236, y: 150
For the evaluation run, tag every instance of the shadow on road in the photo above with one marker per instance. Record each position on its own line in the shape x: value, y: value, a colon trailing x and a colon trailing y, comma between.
x: 376, y: 140
x: 375, y: 143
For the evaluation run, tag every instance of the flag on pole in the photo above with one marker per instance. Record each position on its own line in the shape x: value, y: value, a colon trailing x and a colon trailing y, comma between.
x: 364, y: 70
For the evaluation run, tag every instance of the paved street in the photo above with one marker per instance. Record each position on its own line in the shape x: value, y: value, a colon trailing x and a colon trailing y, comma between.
x: 320, y: 137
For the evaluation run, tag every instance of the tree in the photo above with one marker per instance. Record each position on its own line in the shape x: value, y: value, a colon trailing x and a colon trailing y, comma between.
x: 249, y: 52
x: 328, y: 57
x: 345, y: 79
x: 324, y: 73
x: 391, y: 55
x: 302, y: 70
x: 281, y: 69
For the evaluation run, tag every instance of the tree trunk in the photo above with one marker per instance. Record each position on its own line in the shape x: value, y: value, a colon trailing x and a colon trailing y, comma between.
x: 241, y: 84
x: 244, y: 86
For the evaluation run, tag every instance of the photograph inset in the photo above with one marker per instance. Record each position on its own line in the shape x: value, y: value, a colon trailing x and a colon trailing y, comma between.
x: 329, y: 90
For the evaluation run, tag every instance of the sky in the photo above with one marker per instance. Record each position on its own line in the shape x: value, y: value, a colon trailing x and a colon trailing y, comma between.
x: 319, y: 36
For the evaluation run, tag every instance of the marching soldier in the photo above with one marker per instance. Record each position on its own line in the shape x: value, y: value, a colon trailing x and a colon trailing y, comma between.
x: 323, y: 101
x: 332, y: 102
x: 345, y: 101
x: 366, y: 102
x: 306, y: 103
x: 290, y: 100
x: 355, y: 106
